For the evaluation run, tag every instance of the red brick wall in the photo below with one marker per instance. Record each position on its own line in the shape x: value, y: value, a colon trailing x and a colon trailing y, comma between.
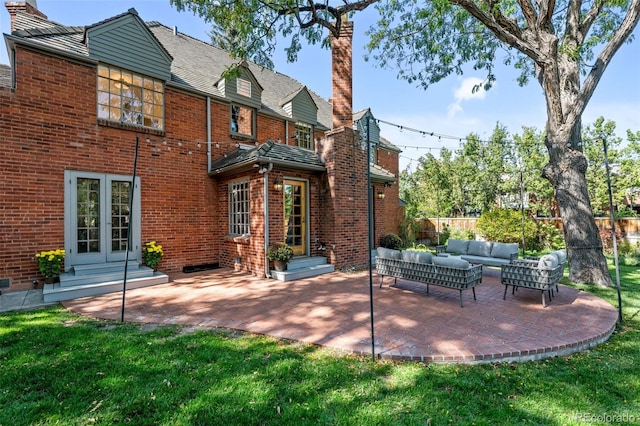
x: 49, y: 125
x: 341, y: 77
x: 391, y: 213
x: 343, y: 199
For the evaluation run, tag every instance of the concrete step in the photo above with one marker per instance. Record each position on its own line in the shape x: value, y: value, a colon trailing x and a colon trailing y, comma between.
x: 303, y: 267
x: 300, y: 273
x: 306, y: 262
x: 103, y: 268
x: 56, y: 293
x: 69, y: 279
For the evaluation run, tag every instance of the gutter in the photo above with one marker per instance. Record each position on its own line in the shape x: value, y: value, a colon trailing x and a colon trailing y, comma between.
x: 208, y: 134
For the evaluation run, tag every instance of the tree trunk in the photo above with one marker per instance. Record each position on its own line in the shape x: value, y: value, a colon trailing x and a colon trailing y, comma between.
x: 566, y: 171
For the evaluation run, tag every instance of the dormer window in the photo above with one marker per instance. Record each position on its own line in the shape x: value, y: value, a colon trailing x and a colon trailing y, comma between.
x: 243, y: 87
x: 129, y: 98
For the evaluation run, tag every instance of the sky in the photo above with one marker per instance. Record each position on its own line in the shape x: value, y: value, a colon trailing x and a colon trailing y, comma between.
x: 446, y: 108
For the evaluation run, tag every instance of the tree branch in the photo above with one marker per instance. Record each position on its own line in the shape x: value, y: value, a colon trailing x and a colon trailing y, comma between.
x: 529, y: 12
x: 604, y: 58
x: 545, y: 14
x: 589, y: 18
x: 501, y: 32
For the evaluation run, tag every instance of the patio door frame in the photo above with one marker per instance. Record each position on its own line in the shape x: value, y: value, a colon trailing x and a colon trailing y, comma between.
x: 303, y: 249
x: 105, y: 254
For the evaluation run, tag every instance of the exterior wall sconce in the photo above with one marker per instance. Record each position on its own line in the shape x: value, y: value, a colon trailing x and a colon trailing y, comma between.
x: 277, y: 185
x: 381, y: 195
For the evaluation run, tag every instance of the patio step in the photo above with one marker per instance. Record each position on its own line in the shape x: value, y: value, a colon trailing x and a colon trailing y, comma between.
x: 303, y: 267
x: 93, y: 280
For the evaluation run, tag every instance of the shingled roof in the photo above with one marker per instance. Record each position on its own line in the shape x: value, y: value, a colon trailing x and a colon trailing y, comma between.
x: 197, y: 66
x: 278, y: 154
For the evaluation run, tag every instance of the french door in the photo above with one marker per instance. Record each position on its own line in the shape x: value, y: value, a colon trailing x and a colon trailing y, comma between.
x: 97, y: 218
x: 295, y: 215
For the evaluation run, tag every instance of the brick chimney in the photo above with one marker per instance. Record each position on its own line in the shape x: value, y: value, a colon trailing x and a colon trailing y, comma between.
x: 28, y: 6
x: 341, y: 75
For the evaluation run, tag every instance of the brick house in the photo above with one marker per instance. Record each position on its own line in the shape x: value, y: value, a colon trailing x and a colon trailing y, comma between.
x: 225, y: 167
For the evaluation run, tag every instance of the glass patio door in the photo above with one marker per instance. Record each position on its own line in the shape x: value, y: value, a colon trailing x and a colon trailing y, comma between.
x: 97, y: 218
x: 295, y: 215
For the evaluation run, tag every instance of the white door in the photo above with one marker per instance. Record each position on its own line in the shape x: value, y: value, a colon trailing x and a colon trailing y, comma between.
x: 97, y: 218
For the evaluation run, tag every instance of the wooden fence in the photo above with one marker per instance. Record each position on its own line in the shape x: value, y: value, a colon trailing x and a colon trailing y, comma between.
x: 629, y: 227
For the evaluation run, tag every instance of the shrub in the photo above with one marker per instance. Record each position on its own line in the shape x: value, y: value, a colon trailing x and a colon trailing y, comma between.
x: 280, y: 251
x: 506, y: 226
x: 152, y: 254
x: 461, y: 234
x: 390, y: 241
x: 50, y: 262
x: 549, y: 237
x: 606, y: 235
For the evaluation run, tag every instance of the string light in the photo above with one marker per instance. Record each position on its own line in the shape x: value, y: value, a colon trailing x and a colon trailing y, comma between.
x: 424, y: 133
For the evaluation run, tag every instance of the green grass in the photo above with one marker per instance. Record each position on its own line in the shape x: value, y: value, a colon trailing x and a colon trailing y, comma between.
x: 60, y: 368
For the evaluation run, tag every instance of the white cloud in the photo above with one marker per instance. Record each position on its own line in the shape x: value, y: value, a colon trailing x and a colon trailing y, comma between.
x: 465, y: 92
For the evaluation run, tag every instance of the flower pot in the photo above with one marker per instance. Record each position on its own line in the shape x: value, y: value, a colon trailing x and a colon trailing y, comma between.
x: 280, y: 265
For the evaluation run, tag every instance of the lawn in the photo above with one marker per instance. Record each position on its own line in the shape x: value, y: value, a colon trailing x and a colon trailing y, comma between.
x: 60, y: 368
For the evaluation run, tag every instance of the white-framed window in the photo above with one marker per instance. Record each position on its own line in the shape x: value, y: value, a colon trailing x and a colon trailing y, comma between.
x: 243, y: 87
x: 304, y: 135
x: 127, y: 97
x: 239, y: 213
x: 242, y: 120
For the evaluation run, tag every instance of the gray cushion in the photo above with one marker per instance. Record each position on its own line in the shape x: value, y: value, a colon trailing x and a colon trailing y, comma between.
x: 389, y: 253
x: 452, y: 262
x: 480, y: 248
x: 548, y: 261
x: 504, y: 250
x: 488, y: 261
x: 424, y: 257
x: 416, y: 256
x: 457, y: 246
x: 561, y: 255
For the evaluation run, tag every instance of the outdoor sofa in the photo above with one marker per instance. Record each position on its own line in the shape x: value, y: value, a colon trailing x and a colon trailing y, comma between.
x: 423, y: 267
x: 542, y: 274
x: 487, y: 253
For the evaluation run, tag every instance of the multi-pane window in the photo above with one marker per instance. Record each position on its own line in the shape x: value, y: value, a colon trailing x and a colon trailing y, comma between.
x: 130, y: 98
x: 242, y: 120
x: 88, y: 208
x: 239, y: 207
x: 243, y: 87
x: 304, y: 135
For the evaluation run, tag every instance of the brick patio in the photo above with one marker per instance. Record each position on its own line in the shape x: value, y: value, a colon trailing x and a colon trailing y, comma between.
x: 333, y: 310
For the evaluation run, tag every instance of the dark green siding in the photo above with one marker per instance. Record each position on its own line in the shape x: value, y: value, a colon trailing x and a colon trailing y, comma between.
x: 302, y: 108
x: 127, y: 43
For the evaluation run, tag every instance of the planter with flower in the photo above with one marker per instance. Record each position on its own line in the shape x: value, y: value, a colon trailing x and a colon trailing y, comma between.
x: 50, y: 263
x: 280, y: 254
x: 152, y: 254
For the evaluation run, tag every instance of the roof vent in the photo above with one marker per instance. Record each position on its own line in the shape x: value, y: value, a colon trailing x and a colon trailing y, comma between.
x: 175, y: 30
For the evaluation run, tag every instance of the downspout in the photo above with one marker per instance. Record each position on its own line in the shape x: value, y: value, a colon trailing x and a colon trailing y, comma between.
x: 266, y: 220
x: 208, y: 134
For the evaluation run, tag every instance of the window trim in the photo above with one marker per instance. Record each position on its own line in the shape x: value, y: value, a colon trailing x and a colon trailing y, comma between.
x: 310, y: 128
x: 237, y: 131
x: 239, y: 210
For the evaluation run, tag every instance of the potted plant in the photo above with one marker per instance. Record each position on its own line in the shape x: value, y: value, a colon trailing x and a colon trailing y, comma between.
x: 280, y: 254
x: 152, y: 254
x: 50, y: 264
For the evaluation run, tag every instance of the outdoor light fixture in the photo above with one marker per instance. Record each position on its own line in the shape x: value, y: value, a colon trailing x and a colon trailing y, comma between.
x: 381, y: 195
x: 277, y: 185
